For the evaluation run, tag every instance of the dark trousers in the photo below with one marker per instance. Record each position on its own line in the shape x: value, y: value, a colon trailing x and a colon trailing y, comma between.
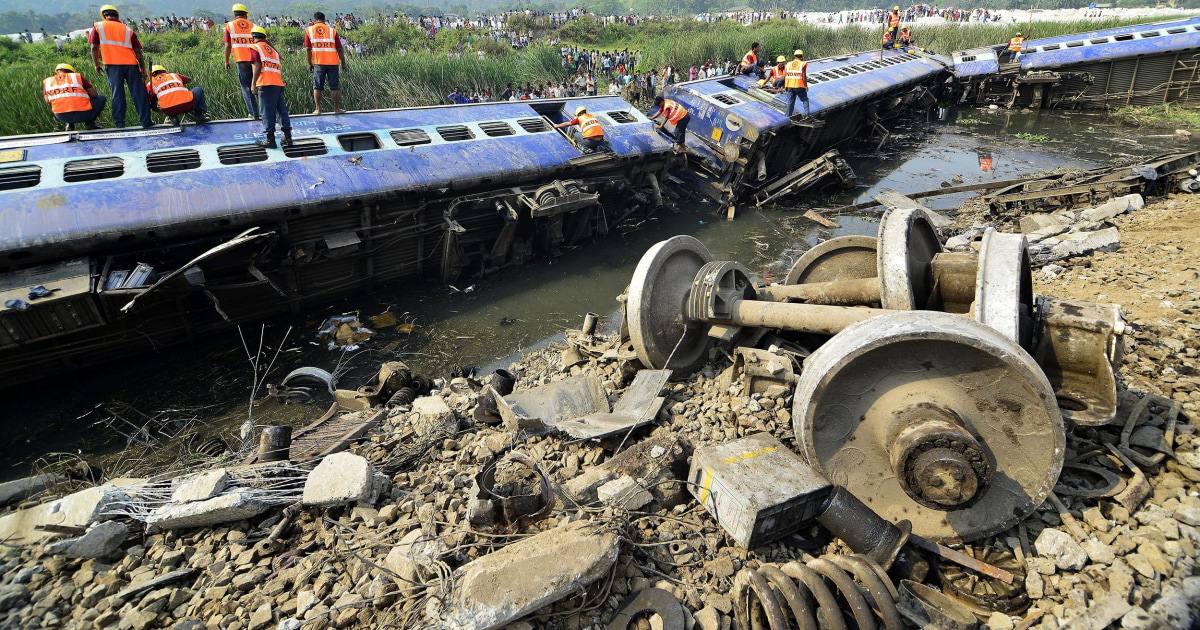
x: 586, y: 143
x: 72, y: 118
x: 797, y: 93
x: 198, y: 106
x: 273, y: 106
x: 245, y: 71
x: 118, y: 77
x: 681, y: 129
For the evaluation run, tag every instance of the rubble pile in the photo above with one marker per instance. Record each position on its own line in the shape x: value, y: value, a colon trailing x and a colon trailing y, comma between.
x: 476, y: 506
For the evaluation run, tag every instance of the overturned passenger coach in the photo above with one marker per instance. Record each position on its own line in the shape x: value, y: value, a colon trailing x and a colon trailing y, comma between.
x: 149, y: 238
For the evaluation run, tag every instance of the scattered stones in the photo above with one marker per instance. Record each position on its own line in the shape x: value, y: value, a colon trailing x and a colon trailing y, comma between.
x: 624, y: 492
x: 1058, y: 546
x: 1080, y: 243
x: 100, y: 541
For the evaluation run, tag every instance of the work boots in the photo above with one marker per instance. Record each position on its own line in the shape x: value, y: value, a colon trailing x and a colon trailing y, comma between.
x: 175, y: 121
x: 269, y: 143
x: 200, y: 117
x: 287, y: 138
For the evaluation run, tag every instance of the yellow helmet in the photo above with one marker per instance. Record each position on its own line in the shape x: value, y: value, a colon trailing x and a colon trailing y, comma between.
x: 1018, y: 33
x: 798, y: 53
x: 64, y: 66
x: 258, y: 30
x: 780, y: 59
x: 157, y: 68
x: 579, y: 110
x: 108, y: 7
x: 896, y: 8
x: 240, y: 7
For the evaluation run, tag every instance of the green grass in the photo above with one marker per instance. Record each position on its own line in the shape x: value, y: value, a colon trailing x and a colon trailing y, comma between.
x: 1159, y: 116
x: 1032, y: 137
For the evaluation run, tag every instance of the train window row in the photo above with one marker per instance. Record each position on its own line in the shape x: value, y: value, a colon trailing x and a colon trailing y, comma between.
x: 1125, y: 37
x: 857, y: 68
x: 28, y: 176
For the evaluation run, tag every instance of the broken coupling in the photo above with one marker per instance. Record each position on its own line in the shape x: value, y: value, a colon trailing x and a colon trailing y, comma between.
x: 763, y: 598
x: 937, y: 462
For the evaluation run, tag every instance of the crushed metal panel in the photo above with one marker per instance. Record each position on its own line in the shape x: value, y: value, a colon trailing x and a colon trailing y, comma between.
x: 543, y: 407
x: 638, y: 406
x: 1079, y: 346
x: 757, y: 489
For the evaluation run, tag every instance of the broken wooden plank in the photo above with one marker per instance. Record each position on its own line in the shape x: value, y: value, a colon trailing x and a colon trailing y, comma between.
x: 812, y: 215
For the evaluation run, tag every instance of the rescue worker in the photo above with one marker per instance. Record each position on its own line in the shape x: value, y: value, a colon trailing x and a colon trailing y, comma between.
x: 796, y: 82
x: 749, y: 64
x: 894, y: 24
x: 1014, y: 49
x: 117, y: 46
x: 676, y: 116
x: 585, y: 131
x: 239, y: 41
x: 268, y: 83
x: 906, y: 37
x: 72, y: 98
x: 324, y: 49
x: 173, y: 99
x: 775, y: 75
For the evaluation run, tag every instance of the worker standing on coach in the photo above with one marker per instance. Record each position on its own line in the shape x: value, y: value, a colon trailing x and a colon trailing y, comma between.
x: 1014, y: 49
x: 118, y: 47
x: 796, y: 82
x: 72, y: 98
x: 749, y: 64
x: 894, y: 24
x: 175, y: 100
x: 585, y: 131
x: 324, y: 49
x: 675, y: 115
x: 239, y: 40
x: 268, y: 82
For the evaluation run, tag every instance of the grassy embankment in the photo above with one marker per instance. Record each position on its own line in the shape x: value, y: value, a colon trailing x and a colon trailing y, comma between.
x: 425, y: 75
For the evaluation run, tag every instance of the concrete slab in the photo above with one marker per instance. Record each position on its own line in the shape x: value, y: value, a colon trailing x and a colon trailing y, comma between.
x: 18, y: 489
x: 74, y: 510
x: 221, y: 509
x: 201, y: 487
x: 527, y: 575
x: 339, y: 478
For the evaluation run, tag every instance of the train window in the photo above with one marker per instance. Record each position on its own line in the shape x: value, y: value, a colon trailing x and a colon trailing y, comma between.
x: 20, y: 177
x: 1050, y: 47
x: 1102, y: 40
x: 306, y: 147
x: 410, y: 137
x: 496, y: 129
x: 1123, y: 38
x: 358, y: 141
x: 1151, y: 34
x: 727, y: 99
x: 241, y: 154
x: 533, y: 125
x: 967, y: 58
x: 1176, y: 31
x: 89, y: 170
x: 167, y: 161
x: 620, y: 117
x: 1074, y: 44
x: 455, y: 133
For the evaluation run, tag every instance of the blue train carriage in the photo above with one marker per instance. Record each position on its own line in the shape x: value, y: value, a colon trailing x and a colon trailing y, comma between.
x: 743, y: 144
x: 1142, y: 65
x: 149, y: 238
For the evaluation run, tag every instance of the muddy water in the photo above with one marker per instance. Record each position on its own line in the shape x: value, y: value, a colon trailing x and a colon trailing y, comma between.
x: 205, y: 389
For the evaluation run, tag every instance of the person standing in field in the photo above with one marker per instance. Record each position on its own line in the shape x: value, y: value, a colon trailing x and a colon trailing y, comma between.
x: 268, y: 82
x: 239, y: 41
x: 324, y: 50
x: 117, y: 46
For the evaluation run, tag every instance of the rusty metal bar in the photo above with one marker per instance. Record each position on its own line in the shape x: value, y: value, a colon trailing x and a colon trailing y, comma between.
x: 808, y: 318
x: 963, y: 559
x: 854, y: 292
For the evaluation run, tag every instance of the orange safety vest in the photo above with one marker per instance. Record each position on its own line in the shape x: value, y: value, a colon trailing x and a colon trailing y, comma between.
x: 749, y: 60
x: 893, y: 20
x: 796, y: 76
x: 169, y: 90
x: 241, y: 40
x: 271, y: 72
x: 589, y: 126
x: 116, y: 43
x: 1016, y: 43
x: 775, y: 73
x: 65, y: 92
x: 672, y: 111
x: 323, y: 41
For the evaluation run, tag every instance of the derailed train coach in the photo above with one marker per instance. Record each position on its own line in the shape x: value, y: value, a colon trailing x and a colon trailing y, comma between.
x: 746, y: 146
x: 1143, y: 65
x: 149, y: 238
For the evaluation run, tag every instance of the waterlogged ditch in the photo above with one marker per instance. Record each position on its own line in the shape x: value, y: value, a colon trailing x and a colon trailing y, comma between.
x: 184, y: 396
